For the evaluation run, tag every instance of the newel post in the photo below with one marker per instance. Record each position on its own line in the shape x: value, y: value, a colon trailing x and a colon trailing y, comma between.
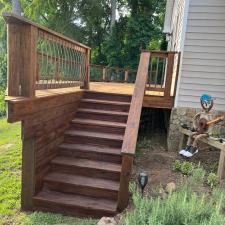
x: 22, y: 58
x: 123, y: 196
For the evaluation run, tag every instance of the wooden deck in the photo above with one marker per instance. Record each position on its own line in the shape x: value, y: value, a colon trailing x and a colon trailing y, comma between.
x: 152, y: 99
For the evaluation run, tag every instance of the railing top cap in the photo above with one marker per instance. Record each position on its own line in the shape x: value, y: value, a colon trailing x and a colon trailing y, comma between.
x: 13, y: 18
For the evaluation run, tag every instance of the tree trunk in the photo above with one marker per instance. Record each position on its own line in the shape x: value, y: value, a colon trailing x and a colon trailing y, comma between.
x: 16, y: 7
x: 113, y: 13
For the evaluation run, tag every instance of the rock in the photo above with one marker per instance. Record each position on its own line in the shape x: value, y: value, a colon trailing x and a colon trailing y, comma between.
x: 107, y: 221
x: 170, y: 187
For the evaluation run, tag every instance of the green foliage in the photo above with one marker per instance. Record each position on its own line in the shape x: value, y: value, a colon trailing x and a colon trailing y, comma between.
x: 3, y: 71
x: 198, y: 175
x: 184, y: 167
x: 180, y: 207
x: 176, y: 166
x: 2, y: 103
x: 212, y: 180
x: 10, y: 184
x: 187, y: 168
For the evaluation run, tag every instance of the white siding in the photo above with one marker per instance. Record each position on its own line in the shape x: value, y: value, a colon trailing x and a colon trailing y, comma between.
x: 177, y: 25
x: 203, y: 63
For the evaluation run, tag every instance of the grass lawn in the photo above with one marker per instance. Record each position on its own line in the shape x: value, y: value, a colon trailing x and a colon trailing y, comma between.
x: 10, y: 184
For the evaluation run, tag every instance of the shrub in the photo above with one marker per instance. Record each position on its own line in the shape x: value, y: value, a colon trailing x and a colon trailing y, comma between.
x: 177, y: 165
x: 212, y: 180
x: 180, y: 207
x: 187, y: 168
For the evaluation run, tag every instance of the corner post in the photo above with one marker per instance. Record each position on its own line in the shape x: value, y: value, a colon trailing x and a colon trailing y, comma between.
x: 29, y: 36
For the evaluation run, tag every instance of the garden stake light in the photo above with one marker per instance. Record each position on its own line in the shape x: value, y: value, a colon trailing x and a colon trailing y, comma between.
x: 142, y: 180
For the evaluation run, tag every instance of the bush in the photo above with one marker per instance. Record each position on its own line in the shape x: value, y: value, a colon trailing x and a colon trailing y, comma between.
x: 187, y: 168
x: 2, y: 103
x: 212, y: 180
x: 180, y: 207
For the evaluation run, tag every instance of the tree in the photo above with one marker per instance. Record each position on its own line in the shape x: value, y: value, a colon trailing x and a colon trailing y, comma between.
x: 16, y: 7
x: 113, y: 14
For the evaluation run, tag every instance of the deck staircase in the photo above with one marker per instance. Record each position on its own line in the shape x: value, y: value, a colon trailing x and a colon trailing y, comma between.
x: 85, y: 176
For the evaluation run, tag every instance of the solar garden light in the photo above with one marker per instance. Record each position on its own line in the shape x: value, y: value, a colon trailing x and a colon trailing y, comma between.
x: 142, y: 180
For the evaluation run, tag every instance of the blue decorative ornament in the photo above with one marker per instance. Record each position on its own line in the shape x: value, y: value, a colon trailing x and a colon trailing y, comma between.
x: 206, y: 98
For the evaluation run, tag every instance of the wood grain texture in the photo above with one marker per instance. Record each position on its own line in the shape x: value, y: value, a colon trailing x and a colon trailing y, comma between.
x: 28, y: 174
x: 123, y: 195
x: 13, y: 59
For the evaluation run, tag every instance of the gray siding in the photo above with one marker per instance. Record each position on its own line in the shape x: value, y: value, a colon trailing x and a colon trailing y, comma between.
x: 203, y: 65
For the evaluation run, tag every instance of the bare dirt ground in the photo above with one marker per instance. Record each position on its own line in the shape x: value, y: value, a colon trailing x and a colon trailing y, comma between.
x: 156, y: 161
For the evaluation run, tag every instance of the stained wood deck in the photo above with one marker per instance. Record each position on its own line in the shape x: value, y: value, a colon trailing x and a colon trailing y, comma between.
x: 153, y: 99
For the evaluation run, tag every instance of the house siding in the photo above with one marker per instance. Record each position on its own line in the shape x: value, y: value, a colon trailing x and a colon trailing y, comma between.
x: 203, y: 62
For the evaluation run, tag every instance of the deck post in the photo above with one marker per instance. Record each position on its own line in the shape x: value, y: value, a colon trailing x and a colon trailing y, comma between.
x: 28, y: 174
x: 123, y: 196
x: 22, y: 59
x: 126, y: 76
x: 104, y: 74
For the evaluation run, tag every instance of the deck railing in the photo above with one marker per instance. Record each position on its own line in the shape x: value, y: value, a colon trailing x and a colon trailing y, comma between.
x: 39, y: 58
x: 99, y: 73
x: 162, y: 75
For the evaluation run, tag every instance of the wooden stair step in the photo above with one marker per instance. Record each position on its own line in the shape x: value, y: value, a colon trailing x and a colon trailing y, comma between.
x: 103, y: 112
x: 82, y: 181
x: 90, y: 148
x: 87, y: 164
x: 73, y: 204
x: 93, y: 152
x: 106, y: 136
x: 96, y: 101
x: 76, y: 184
x: 107, y: 96
x: 105, y: 105
x: 99, y: 123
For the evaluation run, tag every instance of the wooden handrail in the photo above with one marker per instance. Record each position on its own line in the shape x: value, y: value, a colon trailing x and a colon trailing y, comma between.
x: 13, y: 18
x: 131, y: 132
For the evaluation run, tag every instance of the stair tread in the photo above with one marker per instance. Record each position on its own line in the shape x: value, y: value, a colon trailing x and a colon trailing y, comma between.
x: 104, y: 101
x: 75, y: 200
x: 94, y: 134
x: 86, y: 163
x: 91, y: 148
x: 82, y: 181
x: 99, y: 122
x: 106, y: 112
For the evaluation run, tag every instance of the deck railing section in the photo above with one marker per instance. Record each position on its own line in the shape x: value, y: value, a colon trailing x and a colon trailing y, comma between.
x: 39, y: 58
x: 99, y: 73
x: 161, y: 77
